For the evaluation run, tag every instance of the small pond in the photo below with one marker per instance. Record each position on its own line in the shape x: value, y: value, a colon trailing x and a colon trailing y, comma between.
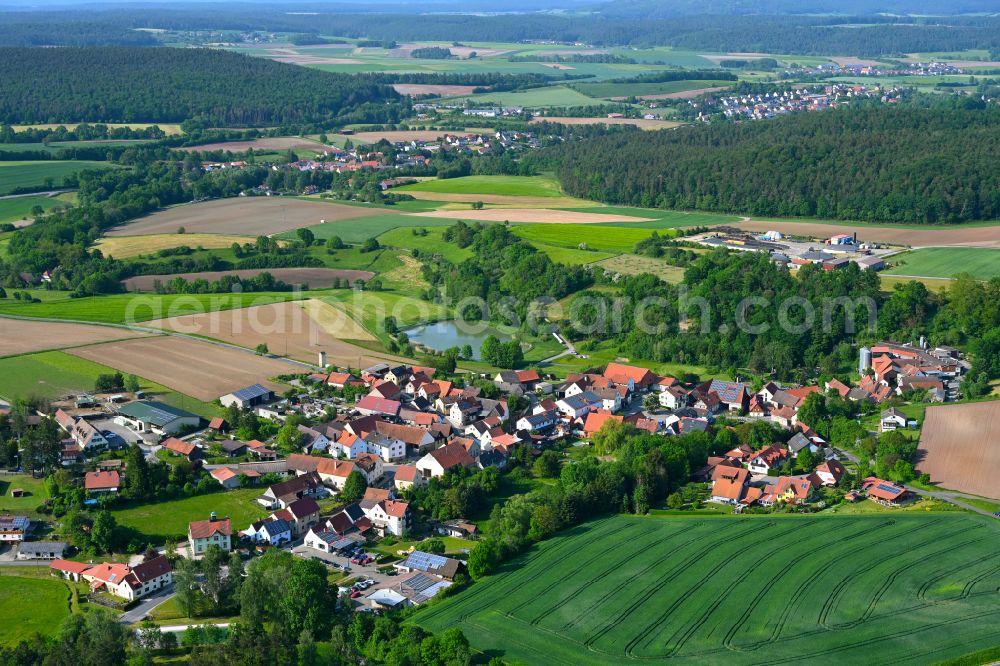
x: 446, y: 334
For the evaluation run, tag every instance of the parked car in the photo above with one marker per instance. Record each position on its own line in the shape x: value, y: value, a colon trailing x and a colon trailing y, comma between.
x: 355, y: 594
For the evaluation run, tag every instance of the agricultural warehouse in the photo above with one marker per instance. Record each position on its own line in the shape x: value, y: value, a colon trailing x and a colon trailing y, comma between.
x: 155, y: 417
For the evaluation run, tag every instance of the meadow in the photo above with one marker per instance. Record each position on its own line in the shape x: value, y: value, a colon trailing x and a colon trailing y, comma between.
x: 360, y: 230
x: 35, y: 495
x: 521, y: 186
x: 431, y: 242
x: 19, y: 208
x: 54, y: 374
x: 611, y: 239
x: 534, y: 98
x: 607, y: 89
x: 16, y: 175
x: 160, y: 521
x: 912, y: 588
x: 31, y: 604
x: 946, y: 262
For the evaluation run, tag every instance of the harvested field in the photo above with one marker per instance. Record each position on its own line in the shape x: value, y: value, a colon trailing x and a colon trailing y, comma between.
x: 274, y: 143
x: 733, y: 56
x: 641, y: 123
x: 316, y: 278
x: 315, y: 60
x: 431, y: 89
x: 957, y: 235
x: 21, y: 337
x: 540, y: 215
x: 123, y: 247
x: 683, y: 94
x: 844, y: 61
x: 200, y: 369
x: 960, y: 447
x: 286, y: 328
x: 334, y: 320
x: 252, y: 216
x: 840, y: 590
x: 506, y: 200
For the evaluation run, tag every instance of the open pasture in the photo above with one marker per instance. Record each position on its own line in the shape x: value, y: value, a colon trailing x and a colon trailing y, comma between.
x: 18, y: 209
x: 192, y: 367
x: 264, y: 144
x: 31, y: 604
x: 647, y: 90
x: 946, y: 262
x: 634, y: 264
x: 960, y: 447
x: 519, y: 186
x: 612, y: 239
x: 286, y: 328
x: 910, y: 588
x: 49, y: 173
x: 18, y: 336
x: 534, y: 98
x: 431, y: 243
x: 967, y: 235
x: 160, y: 521
x: 361, y: 229
x: 248, y: 216
x: 314, y: 278
x: 542, y: 216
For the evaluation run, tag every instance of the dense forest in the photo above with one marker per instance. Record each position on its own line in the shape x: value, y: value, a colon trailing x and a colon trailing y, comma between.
x: 881, y: 164
x: 125, y: 84
x: 863, y: 33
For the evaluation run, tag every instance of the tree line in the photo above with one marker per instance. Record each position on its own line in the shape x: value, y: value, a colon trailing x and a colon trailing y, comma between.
x: 932, y: 165
x: 131, y: 84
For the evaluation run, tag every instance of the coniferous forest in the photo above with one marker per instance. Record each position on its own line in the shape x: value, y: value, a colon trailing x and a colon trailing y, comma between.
x: 131, y: 84
x: 885, y: 164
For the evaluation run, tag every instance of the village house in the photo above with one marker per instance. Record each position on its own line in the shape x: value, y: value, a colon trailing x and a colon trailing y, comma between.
x: 273, y: 531
x: 370, y: 465
x: 439, y: 461
x: 301, y: 515
x: 211, y: 532
x: 227, y: 477
x: 179, y: 447
x: 406, y: 477
x: 41, y: 550
x: 102, y: 483
x: 125, y: 581
x: 729, y: 484
x: 438, y: 565
x: 390, y: 517
x: 457, y: 528
x: 884, y: 492
x: 768, y: 458
x: 891, y: 419
x: 86, y: 436
x: 673, y: 397
x: 830, y: 472
x: 280, y: 495
x: 637, y: 379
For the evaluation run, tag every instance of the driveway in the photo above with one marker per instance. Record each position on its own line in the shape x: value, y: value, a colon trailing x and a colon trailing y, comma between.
x: 146, y: 605
x: 356, y: 571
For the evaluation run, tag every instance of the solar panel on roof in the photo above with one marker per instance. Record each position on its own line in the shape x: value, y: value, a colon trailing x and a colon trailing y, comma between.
x: 888, y: 489
x: 424, y: 561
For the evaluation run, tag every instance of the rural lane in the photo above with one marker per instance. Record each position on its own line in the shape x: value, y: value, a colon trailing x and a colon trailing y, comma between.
x: 950, y: 497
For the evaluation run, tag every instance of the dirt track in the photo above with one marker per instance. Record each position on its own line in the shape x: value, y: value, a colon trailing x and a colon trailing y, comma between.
x: 956, y: 235
x: 960, y: 447
x: 21, y: 337
x: 249, y: 216
x: 198, y: 369
x: 316, y: 278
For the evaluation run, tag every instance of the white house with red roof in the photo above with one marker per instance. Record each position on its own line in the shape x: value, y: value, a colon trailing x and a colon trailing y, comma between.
x: 211, y: 532
x: 126, y: 581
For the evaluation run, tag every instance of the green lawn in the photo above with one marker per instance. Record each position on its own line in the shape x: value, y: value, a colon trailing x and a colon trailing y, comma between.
x: 521, y: 186
x: 133, y: 308
x: 31, y: 605
x: 611, y: 239
x: 14, y: 175
x: 839, y: 589
x: 606, y: 89
x: 20, y: 208
x: 54, y: 373
x: 945, y: 262
x: 22, y: 506
x: 431, y: 243
x: 159, y: 521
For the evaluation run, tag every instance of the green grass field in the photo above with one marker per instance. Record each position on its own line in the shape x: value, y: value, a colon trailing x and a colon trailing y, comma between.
x: 20, y: 207
x: 162, y: 520
x: 606, y: 89
x: 816, y: 590
x: 53, y: 374
x: 571, y: 255
x: 534, y: 98
x: 22, y: 506
x: 404, y: 237
x: 946, y: 262
x: 610, y: 239
x: 361, y: 229
x: 14, y: 175
x: 31, y: 605
x: 133, y: 308
x: 519, y: 186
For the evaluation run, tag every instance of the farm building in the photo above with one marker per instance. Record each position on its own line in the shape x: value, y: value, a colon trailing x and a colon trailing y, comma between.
x: 871, y: 263
x: 13, y: 528
x: 248, y: 397
x: 155, y: 417
x: 41, y: 550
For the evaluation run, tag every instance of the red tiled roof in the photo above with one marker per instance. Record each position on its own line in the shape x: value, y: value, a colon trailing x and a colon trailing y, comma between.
x: 101, y: 480
x: 205, y: 529
x: 452, y: 455
x: 177, y: 446
x: 406, y: 473
x: 598, y: 418
x: 69, y: 566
